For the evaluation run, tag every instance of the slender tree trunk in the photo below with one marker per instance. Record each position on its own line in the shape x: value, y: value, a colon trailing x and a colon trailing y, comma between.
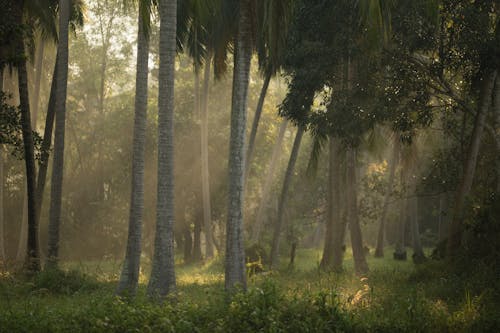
x: 58, y: 159
x: 197, y: 256
x: 400, y: 251
x: 456, y: 226
x: 129, y: 278
x: 264, y: 201
x: 38, y: 78
x: 205, y: 175
x: 188, y: 245
x: 496, y: 117
x: 379, y: 252
x: 235, y: 272
x: 162, y: 281
x: 43, y: 163
x: 360, y: 265
x: 332, y: 251
x: 255, y: 125
x: 2, y: 244
x: 33, y: 256
x: 283, y: 198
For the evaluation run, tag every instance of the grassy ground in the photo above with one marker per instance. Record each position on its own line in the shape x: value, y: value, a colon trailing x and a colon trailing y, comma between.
x: 394, y: 296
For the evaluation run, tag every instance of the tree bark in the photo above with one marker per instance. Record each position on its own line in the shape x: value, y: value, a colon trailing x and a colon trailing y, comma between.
x: 32, y: 263
x: 400, y: 251
x: 255, y: 124
x: 496, y: 117
x: 283, y: 199
x: 205, y: 174
x: 129, y: 278
x: 162, y: 280
x: 60, y: 123
x: 264, y: 201
x: 360, y: 265
x: 2, y: 244
x: 235, y: 272
x: 379, y: 251
x: 456, y: 226
x: 43, y: 163
x: 332, y: 251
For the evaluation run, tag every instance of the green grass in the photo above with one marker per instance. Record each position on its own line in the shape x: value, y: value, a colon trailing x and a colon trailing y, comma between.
x: 394, y: 296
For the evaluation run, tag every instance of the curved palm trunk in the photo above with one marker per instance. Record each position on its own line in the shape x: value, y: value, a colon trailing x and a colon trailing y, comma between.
x: 283, y: 198
x: 255, y: 124
x: 58, y: 159
x: 129, y: 278
x: 235, y: 273
x: 360, y: 265
x: 456, y: 226
x: 46, y: 143
x: 332, y: 251
x: 259, y: 221
x: 33, y: 256
x: 205, y: 174
x: 379, y: 251
x: 162, y: 280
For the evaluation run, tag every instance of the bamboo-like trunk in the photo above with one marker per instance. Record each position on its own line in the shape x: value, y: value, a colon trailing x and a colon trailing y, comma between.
x: 255, y: 124
x: 205, y: 174
x: 379, y: 251
x: 283, y: 199
x: 264, y: 201
x: 332, y: 251
x: 59, y: 136
x: 456, y: 226
x: 129, y: 278
x: 360, y: 265
x: 162, y: 280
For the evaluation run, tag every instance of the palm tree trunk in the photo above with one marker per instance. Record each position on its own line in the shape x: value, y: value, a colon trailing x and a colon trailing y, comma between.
x: 46, y: 143
x: 456, y: 226
x: 259, y: 221
x: 283, y: 198
x: 400, y: 251
x: 2, y: 245
x: 496, y: 116
x: 162, y: 280
x: 235, y: 273
x: 205, y: 174
x: 332, y: 251
x: 38, y: 78
x: 255, y: 124
x: 58, y: 159
x: 129, y: 278
x: 360, y: 265
x: 379, y: 251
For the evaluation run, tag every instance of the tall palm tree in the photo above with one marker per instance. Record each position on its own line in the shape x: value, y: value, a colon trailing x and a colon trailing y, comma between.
x: 130, y: 272
x: 60, y: 122
x: 235, y: 273
x: 162, y: 280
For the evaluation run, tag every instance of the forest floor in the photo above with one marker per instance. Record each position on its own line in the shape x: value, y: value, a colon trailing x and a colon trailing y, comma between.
x: 396, y: 296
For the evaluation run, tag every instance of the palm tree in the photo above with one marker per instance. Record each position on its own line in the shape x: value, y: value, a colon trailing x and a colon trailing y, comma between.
x: 162, y: 280
x: 235, y: 273
x: 131, y: 267
x: 58, y: 160
x: 267, y: 183
x: 283, y: 198
x: 485, y: 99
